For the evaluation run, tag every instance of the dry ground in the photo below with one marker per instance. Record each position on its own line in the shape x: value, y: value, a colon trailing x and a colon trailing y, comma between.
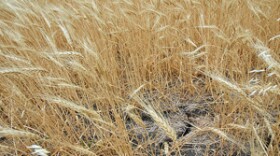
x: 140, y: 77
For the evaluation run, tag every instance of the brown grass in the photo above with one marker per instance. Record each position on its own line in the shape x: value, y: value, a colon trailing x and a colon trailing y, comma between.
x: 70, y: 73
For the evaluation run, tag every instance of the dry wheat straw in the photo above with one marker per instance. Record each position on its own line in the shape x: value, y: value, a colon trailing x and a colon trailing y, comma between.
x: 256, y: 9
x: 16, y: 58
x: 8, y: 132
x: 10, y: 70
x: 129, y: 110
x: 66, y: 34
x: 156, y: 116
x: 5, y: 149
x: 264, y: 53
x: 166, y: 148
x: 64, y: 85
x: 136, y: 91
x: 245, y: 127
x: 257, y: 71
x: 77, y: 148
x: 49, y: 41
x: 58, y: 82
x: 263, y: 90
x: 274, y: 37
x: 270, y: 130
x: 54, y: 60
x: 76, y: 65
x: 234, y: 87
x: 226, y: 137
x: 259, y: 140
x: 65, y: 54
x: 196, y: 53
x: 191, y: 42
x: 71, y: 105
x: 89, y: 49
x: 72, y: 37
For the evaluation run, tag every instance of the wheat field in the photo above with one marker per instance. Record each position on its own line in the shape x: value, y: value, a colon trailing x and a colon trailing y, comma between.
x: 140, y: 77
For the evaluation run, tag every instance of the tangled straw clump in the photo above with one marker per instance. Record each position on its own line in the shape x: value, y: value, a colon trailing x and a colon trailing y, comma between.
x: 70, y: 73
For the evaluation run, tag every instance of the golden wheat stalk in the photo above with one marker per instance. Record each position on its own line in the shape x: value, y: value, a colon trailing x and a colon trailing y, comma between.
x: 259, y: 141
x: 8, y: 132
x: 156, y: 116
x: 226, y: 137
x: 234, y: 87
x: 265, y: 54
x: 11, y: 70
x: 78, y: 149
x: 129, y: 110
x: 91, y: 114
